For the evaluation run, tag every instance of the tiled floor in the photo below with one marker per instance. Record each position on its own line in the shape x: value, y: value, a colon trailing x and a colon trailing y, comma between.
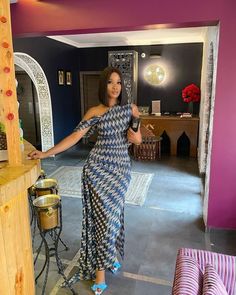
x: 171, y: 218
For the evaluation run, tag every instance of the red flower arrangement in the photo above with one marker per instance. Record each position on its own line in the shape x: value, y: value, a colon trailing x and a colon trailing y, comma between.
x: 191, y: 93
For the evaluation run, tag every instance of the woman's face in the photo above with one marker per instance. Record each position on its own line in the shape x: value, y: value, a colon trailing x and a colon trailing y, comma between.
x: 114, y: 86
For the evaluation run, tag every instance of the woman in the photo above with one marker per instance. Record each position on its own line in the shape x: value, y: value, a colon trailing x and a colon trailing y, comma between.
x: 106, y: 176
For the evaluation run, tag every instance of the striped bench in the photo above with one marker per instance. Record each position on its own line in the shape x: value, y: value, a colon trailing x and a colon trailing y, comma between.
x: 204, y: 272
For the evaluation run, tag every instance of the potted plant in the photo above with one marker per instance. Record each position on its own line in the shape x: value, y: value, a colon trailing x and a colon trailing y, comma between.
x: 191, y: 94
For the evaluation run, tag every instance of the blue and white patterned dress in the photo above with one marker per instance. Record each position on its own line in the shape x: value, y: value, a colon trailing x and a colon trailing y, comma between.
x: 106, y: 176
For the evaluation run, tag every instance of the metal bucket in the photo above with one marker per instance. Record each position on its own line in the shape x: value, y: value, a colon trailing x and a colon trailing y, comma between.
x: 47, y: 208
x: 46, y: 187
x: 32, y: 189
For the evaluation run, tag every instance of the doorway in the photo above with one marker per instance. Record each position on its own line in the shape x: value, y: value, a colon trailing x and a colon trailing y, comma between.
x: 38, y: 77
x: 89, y: 84
x: 28, y: 108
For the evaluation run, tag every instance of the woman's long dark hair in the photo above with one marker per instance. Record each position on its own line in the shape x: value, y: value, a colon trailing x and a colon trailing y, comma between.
x: 104, y: 78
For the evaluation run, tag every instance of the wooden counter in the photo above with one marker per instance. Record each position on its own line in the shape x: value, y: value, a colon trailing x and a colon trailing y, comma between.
x: 16, y: 256
x: 16, y: 176
x: 174, y: 127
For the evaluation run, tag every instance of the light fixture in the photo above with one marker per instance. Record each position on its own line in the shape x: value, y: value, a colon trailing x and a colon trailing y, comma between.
x: 143, y: 54
x: 154, y: 74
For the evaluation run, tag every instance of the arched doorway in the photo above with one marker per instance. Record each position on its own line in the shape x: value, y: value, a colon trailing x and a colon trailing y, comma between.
x: 37, y: 75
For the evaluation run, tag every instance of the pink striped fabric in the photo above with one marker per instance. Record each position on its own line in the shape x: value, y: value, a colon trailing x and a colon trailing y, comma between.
x: 223, y: 264
x: 212, y: 284
x: 188, y: 277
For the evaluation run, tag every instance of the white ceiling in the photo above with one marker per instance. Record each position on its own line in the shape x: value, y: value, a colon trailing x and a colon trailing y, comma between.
x: 144, y: 37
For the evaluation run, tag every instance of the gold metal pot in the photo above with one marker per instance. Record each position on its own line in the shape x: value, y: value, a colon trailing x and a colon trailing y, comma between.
x: 46, y: 186
x: 47, y: 207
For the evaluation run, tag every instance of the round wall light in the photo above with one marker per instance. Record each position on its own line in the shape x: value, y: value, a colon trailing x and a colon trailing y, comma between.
x: 143, y: 54
x: 154, y: 74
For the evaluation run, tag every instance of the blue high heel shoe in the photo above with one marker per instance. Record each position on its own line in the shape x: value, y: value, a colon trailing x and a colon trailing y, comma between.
x: 115, y: 267
x: 99, y: 288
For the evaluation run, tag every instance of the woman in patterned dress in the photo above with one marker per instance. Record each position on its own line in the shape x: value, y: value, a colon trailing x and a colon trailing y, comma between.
x: 106, y: 176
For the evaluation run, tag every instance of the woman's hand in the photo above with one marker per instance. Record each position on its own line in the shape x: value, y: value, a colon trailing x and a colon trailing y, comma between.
x: 37, y: 155
x: 134, y: 137
x: 135, y: 111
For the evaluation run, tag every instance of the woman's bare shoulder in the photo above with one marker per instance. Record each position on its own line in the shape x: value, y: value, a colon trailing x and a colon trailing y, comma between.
x: 95, y: 111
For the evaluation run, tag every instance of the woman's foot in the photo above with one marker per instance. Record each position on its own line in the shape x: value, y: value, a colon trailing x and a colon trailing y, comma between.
x: 99, y: 288
x: 99, y: 285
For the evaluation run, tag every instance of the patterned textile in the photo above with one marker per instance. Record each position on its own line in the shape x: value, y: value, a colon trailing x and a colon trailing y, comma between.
x: 188, y: 277
x: 212, y: 284
x: 105, y: 179
x: 69, y: 180
x: 224, y: 265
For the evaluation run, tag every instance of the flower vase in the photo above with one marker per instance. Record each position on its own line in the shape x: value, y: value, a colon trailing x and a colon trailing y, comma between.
x: 190, y: 107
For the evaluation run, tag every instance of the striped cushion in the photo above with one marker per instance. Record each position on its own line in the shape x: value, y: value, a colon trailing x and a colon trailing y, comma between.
x: 188, y: 277
x: 225, y: 265
x: 212, y: 284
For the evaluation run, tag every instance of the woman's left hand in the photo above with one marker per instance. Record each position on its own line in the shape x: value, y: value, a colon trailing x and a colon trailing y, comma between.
x: 134, y: 137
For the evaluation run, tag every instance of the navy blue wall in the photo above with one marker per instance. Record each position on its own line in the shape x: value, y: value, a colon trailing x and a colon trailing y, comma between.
x: 184, y: 62
x: 52, y: 56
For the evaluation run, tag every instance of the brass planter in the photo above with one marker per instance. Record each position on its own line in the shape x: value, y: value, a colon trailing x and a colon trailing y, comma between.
x: 47, y: 207
x: 46, y: 186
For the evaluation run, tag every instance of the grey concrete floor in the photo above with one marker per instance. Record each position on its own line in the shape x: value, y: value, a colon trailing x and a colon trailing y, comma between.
x: 170, y: 218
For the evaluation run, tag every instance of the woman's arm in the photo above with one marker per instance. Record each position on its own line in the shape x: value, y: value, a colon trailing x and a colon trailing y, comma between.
x: 66, y: 143
x: 62, y: 146
x: 134, y: 137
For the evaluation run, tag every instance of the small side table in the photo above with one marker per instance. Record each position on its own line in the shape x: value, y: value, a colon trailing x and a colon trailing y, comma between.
x: 149, y: 149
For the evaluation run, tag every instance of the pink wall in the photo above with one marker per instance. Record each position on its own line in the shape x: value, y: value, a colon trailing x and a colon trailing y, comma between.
x: 68, y: 16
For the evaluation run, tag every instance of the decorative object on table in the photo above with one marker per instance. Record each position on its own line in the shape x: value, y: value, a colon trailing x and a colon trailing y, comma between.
x: 61, y: 77
x: 191, y: 94
x: 156, y: 107
x: 143, y: 110
x: 186, y: 115
x: 68, y: 78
